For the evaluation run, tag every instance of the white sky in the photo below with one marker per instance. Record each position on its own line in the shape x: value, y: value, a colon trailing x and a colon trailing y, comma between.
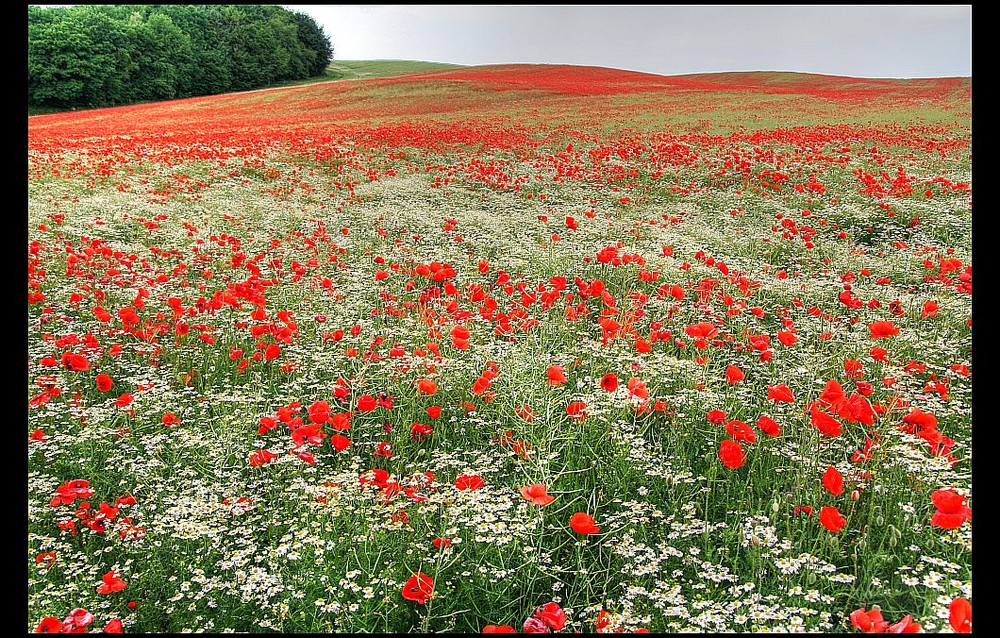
x: 875, y: 41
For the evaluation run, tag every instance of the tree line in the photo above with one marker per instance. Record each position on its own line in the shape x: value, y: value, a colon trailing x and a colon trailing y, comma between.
x: 93, y: 56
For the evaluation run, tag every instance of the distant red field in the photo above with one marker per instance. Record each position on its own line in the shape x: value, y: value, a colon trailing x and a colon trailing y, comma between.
x: 494, y: 105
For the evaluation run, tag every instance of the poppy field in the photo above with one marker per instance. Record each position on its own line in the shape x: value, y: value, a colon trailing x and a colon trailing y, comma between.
x: 504, y: 349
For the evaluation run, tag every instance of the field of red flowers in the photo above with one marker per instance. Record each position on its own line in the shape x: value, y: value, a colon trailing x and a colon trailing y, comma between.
x: 495, y: 349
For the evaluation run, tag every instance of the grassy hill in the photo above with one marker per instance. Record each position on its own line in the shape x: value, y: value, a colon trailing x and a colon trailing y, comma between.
x: 362, y: 69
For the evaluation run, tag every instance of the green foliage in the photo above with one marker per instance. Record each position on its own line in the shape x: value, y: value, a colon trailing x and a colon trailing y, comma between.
x: 318, y: 52
x: 95, y: 56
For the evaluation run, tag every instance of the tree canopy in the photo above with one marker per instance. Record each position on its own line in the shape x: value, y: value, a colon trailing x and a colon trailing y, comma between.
x: 93, y: 56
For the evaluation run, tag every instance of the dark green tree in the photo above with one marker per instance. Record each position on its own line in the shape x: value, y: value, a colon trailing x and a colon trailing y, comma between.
x: 313, y: 39
x: 209, y: 69
x: 107, y: 55
x: 61, y: 69
x: 162, y: 53
x: 107, y: 29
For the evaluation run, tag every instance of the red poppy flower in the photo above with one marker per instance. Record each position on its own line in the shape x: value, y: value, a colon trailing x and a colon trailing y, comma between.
x: 609, y: 382
x: 427, y: 386
x: 129, y: 316
x: 833, y: 481
x: 787, y: 337
x: 717, y: 417
x: 442, y: 543
x: 311, y: 433
x: 367, y: 403
x: 261, y: 457
x: 556, y: 375
x: 637, y: 388
x: 960, y: 615
x: 731, y: 454
x: 853, y: 368
x: 537, y: 494
x: 882, y: 329
x: 102, y: 315
x: 930, y: 309
x: 905, y: 626
x: 602, y: 622
x: 702, y: 330
x: 273, y: 351
x: 419, y: 588
x: 75, y: 362
x: 831, y: 519
x: 952, y: 509
x: 857, y: 409
x: 46, y: 559
x: 780, y: 393
x: 481, y: 385
x: 340, y: 442
x: 385, y: 401
x: 112, y: 583
x: 552, y: 615
x: 104, y: 382
x: 878, y: 354
x: 583, y: 523
x: 734, y: 375
x: 525, y: 412
x: 340, y: 421
x: 114, y: 626
x: 870, y: 622
x: 917, y: 417
x: 741, y: 431
x: 460, y: 336
x: 49, y: 625
x: 825, y: 423
x: 70, y: 491
x: 535, y: 626
x: 319, y: 412
x: 76, y: 620
x: 169, y: 419
x: 768, y: 426
x: 434, y: 411
x: 420, y: 430
x: 499, y: 629
x: 469, y: 482
x: 577, y: 410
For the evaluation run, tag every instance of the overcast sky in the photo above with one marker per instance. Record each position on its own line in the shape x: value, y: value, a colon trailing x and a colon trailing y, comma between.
x: 888, y: 41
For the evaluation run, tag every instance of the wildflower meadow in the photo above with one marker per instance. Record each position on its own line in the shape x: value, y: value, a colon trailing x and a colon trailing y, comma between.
x: 509, y: 348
